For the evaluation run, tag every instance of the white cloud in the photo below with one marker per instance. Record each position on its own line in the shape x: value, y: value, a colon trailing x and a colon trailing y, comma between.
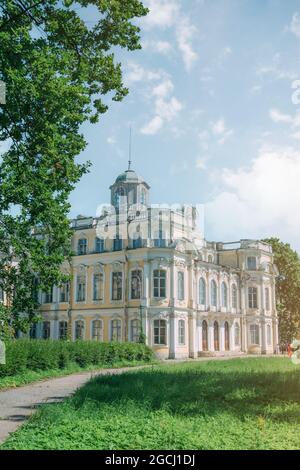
x: 163, y: 89
x: 153, y: 126
x: 111, y: 140
x: 277, y: 116
x: 134, y: 73
x: 259, y: 201
x: 168, y: 14
x: 201, y: 163
x: 294, y: 121
x: 161, y: 47
x: 295, y: 24
x: 220, y: 130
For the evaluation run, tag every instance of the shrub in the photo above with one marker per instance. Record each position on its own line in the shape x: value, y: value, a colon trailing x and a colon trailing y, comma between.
x: 36, y: 354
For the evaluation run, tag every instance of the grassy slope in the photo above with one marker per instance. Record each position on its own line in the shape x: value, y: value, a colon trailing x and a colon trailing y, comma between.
x: 30, y: 376
x: 235, y: 404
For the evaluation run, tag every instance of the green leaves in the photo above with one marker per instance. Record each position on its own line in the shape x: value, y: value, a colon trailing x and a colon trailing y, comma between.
x: 56, y: 69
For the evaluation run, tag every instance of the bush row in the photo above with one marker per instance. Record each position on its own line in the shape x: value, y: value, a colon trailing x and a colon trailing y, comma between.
x: 36, y: 354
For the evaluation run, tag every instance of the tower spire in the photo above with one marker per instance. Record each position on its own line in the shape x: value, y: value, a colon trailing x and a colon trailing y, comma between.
x: 129, y: 161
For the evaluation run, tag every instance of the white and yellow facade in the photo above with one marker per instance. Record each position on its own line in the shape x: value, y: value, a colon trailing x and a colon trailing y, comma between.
x: 150, y: 271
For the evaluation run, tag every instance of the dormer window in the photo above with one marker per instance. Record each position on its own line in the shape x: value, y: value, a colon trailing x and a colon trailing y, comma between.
x: 82, y: 246
x: 99, y: 245
x: 251, y: 263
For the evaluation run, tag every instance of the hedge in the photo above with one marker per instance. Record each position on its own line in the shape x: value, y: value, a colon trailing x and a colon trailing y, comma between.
x: 34, y: 354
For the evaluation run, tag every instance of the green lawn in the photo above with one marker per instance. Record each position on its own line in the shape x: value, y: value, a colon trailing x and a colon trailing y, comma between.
x: 235, y: 404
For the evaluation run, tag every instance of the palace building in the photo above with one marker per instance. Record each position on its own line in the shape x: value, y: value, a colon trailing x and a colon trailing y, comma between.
x: 143, y: 271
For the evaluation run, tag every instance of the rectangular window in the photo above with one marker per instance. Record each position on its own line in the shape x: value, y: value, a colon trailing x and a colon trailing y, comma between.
x: 252, y: 297
x: 98, y: 286
x: 180, y: 285
x: 32, y: 331
x: 160, y: 332
x: 254, y: 334
x: 48, y: 298
x: 63, y: 330
x: 46, y: 330
x: 115, y: 330
x: 97, y: 330
x: 82, y: 246
x: 159, y: 283
x: 99, y: 245
x: 136, y: 284
x: 251, y: 263
x: 117, y: 280
x: 65, y: 292
x: 80, y: 288
x: 79, y: 329
x: 118, y: 245
x: 267, y: 298
x: 135, y: 330
x: 181, y: 332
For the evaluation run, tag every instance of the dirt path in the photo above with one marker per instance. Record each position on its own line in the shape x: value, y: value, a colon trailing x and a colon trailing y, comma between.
x: 17, y: 404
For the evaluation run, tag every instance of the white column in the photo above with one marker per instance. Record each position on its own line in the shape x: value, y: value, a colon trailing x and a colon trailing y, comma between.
x: 263, y: 337
x: 211, y: 346
x: 222, y: 336
x: 172, y: 341
x: 231, y: 337
x: 146, y: 284
x: 192, y: 335
x: 199, y: 334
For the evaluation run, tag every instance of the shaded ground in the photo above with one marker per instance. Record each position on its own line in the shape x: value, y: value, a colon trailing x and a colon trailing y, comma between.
x: 230, y: 404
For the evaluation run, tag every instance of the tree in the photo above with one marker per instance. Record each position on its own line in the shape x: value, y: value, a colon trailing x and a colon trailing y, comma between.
x: 56, y: 69
x: 287, y: 289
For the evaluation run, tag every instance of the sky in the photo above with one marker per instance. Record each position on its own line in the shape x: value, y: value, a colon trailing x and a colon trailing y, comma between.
x: 215, y: 116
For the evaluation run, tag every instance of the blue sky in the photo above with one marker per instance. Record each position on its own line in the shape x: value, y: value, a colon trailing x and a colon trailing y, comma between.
x: 213, y: 119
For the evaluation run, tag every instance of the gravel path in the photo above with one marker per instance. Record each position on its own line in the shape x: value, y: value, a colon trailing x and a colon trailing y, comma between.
x: 17, y: 404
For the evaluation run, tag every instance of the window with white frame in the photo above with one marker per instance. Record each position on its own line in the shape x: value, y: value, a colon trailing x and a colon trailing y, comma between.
x: 117, y: 285
x: 64, y: 292
x: 159, y: 283
x: 136, y: 284
x: 48, y: 296
x: 98, y: 286
x: 254, y: 334
x: 99, y: 245
x: 135, y: 330
x: 252, y: 297
x: 97, y: 330
x: 160, y: 332
x: 269, y: 335
x: 80, y: 288
x: 82, y: 246
x: 234, y: 296
x: 236, y: 334
x: 79, y: 329
x: 202, y: 291
x: 180, y: 285
x: 213, y: 293
x: 251, y: 263
x: 63, y: 330
x: 267, y: 298
x: 115, y: 330
x: 224, y: 294
x: 181, y: 332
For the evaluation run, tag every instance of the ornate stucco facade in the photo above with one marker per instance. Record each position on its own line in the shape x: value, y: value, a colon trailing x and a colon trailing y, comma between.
x: 149, y: 271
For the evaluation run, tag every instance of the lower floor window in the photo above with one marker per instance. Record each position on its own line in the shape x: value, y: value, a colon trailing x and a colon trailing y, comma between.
x: 63, y: 329
x: 115, y: 330
x: 97, y: 330
x: 254, y: 334
x: 46, y: 330
x: 160, y: 332
x: 269, y: 336
x: 135, y: 330
x: 32, y: 331
x: 181, y: 332
x: 79, y: 329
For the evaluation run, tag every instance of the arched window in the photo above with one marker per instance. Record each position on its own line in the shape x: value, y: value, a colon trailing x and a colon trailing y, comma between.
x: 99, y: 245
x: 135, y: 330
x: 115, y: 330
x: 224, y: 294
x: 79, y: 329
x: 181, y: 332
x: 46, y: 329
x: 234, y: 296
x: 269, y: 335
x: 80, y: 296
x: 204, y: 336
x: 98, y: 286
x: 82, y: 246
x: 216, y: 336
x: 136, y: 284
x: 159, y: 283
x: 160, y: 332
x: 236, y: 334
x: 227, y: 338
x: 213, y: 293
x: 254, y: 334
x: 117, y: 284
x: 97, y: 330
x: 180, y: 288
x: 202, y: 291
